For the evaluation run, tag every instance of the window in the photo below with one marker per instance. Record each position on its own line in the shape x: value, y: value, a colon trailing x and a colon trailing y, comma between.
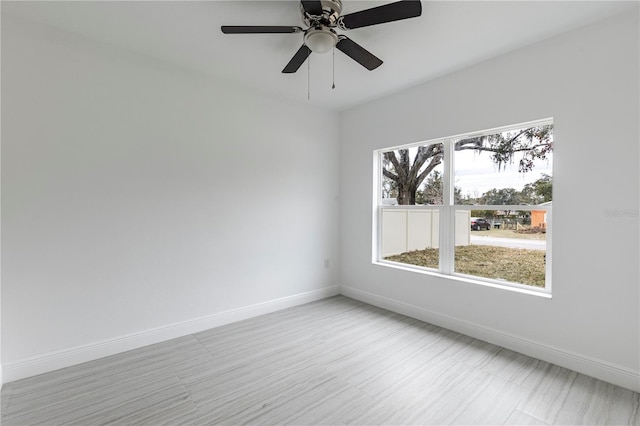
x: 475, y: 206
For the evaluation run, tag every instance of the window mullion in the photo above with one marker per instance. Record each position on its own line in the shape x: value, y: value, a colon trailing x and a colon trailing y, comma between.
x: 548, y: 253
x: 377, y: 208
x: 447, y: 217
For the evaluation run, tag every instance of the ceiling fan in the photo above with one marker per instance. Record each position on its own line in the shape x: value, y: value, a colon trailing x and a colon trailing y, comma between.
x: 323, y: 17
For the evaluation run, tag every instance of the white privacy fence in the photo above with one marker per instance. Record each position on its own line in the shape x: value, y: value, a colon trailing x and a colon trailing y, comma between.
x: 408, y: 229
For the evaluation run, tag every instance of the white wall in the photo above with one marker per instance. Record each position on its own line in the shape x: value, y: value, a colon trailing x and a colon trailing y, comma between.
x: 137, y: 195
x: 587, y: 80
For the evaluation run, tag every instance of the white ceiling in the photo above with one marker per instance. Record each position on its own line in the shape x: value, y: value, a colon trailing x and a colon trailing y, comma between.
x: 449, y: 35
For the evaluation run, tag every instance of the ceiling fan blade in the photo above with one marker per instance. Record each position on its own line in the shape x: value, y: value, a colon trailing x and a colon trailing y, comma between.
x: 298, y: 59
x: 358, y: 53
x: 403, y: 9
x: 258, y: 29
x: 313, y: 7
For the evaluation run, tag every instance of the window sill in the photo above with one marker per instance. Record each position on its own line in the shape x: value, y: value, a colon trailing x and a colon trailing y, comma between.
x: 518, y: 288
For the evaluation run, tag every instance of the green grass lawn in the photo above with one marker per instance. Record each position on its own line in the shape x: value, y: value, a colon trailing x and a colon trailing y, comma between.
x: 514, y: 265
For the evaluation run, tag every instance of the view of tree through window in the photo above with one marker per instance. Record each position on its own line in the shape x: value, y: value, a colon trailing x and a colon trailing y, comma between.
x: 495, y: 204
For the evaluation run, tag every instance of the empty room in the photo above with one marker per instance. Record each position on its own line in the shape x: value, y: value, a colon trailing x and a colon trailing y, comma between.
x: 320, y: 212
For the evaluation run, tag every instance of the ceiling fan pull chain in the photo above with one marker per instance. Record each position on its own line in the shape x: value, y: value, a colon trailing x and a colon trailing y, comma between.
x: 333, y: 86
x: 309, y: 78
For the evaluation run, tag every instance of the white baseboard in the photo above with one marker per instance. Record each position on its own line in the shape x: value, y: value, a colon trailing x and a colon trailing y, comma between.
x: 599, y: 369
x: 65, y: 358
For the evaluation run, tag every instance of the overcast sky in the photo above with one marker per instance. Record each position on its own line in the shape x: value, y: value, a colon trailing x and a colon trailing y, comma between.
x: 476, y: 173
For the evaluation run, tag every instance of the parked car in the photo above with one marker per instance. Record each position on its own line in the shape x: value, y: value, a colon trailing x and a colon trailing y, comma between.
x: 478, y: 223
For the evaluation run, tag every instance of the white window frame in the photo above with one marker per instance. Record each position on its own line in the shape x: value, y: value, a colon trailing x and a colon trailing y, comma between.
x: 447, y: 217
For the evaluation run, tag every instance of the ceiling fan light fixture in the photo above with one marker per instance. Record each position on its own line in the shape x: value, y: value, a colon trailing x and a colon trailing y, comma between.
x: 320, y: 40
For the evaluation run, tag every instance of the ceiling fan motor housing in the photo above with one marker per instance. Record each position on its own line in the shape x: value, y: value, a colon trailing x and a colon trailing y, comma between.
x: 331, y: 11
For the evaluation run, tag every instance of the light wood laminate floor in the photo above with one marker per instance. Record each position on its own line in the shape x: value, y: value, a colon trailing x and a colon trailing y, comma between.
x: 335, y: 361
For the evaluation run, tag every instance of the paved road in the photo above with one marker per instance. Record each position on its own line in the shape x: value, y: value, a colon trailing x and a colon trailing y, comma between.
x: 508, y: 242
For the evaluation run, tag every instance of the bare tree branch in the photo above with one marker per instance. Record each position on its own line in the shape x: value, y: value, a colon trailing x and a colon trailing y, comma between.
x: 390, y: 175
x: 435, y: 161
x: 391, y: 157
x: 490, y: 149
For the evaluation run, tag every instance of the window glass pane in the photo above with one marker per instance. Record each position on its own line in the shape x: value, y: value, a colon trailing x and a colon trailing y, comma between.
x: 411, y: 235
x: 501, y: 245
x: 507, y: 168
x: 413, y: 176
x: 504, y: 181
